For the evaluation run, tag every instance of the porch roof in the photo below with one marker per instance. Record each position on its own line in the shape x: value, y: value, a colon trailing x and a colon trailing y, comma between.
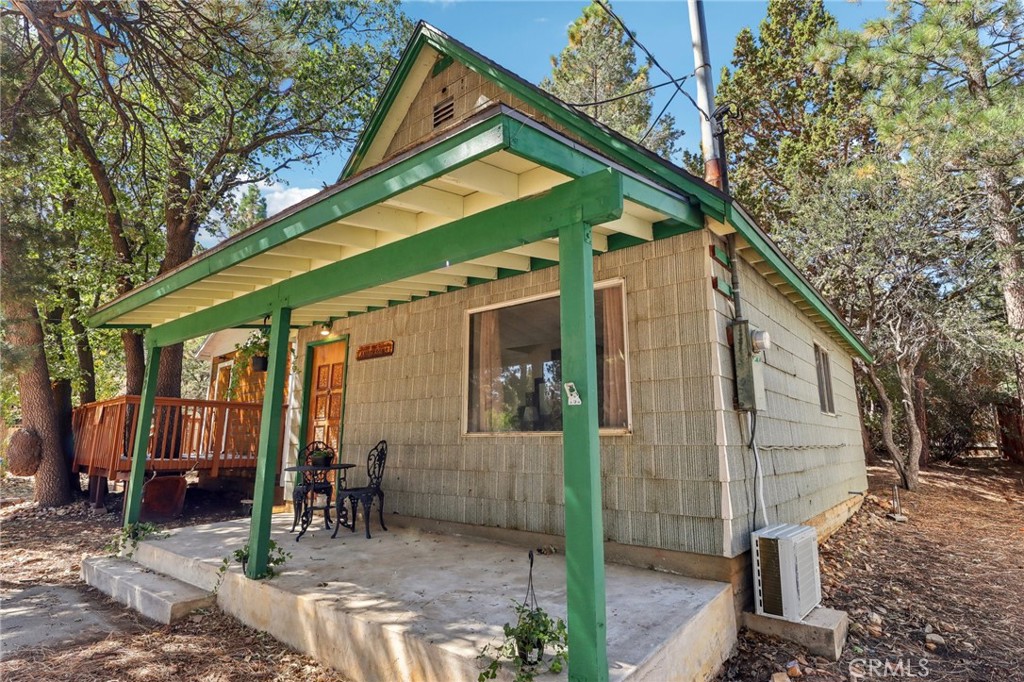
x: 479, y: 176
x: 474, y: 170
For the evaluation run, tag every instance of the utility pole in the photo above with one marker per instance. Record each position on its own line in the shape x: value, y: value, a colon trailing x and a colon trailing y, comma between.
x: 710, y: 145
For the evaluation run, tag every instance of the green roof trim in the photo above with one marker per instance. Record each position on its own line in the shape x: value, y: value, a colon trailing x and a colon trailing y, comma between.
x: 767, y: 250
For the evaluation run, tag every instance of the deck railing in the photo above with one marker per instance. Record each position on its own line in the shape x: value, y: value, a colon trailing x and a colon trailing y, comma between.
x: 206, y: 435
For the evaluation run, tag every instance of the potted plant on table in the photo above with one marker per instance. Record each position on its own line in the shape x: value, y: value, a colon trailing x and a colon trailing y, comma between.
x: 526, y: 642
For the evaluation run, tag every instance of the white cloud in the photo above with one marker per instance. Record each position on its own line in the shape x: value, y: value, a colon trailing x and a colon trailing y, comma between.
x: 280, y: 196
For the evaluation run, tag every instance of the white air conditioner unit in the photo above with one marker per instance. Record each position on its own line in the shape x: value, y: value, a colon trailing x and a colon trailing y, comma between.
x: 787, y: 583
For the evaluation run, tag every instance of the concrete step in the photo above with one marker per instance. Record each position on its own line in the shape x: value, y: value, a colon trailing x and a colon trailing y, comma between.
x: 154, y: 595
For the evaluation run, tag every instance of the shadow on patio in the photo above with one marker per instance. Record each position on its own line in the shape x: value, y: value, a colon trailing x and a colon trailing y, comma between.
x: 413, y: 605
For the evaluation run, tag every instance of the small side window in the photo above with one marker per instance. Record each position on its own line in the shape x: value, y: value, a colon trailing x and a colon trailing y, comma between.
x: 824, y: 367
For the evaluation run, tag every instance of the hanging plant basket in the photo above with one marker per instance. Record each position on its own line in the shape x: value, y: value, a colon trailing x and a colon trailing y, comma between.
x: 259, y: 363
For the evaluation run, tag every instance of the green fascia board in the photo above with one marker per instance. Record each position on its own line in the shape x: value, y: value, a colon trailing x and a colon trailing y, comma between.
x: 593, y: 199
x: 478, y: 140
x: 767, y: 250
x: 384, y: 104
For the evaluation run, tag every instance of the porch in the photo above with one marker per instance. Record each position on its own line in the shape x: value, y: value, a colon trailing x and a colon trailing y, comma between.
x: 414, y: 605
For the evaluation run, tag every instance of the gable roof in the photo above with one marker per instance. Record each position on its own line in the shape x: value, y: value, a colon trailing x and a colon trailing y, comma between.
x: 431, y: 50
x: 403, y: 200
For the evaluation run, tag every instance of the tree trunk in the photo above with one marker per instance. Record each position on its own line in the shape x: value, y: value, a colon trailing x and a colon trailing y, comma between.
x: 39, y: 413
x: 895, y: 453
x: 921, y: 415
x: 83, y: 349
x: 61, y: 389
x: 134, y: 361
x: 912, y: 462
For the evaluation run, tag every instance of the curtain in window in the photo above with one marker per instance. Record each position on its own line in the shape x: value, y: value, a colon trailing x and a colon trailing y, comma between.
x: 488, y: 363
x: 613, y: 359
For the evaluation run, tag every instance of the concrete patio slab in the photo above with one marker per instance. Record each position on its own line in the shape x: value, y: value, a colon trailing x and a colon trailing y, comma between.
x: 411, y: 605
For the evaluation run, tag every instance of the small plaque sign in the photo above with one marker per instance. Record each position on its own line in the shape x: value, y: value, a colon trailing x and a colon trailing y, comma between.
x: 380, y: 349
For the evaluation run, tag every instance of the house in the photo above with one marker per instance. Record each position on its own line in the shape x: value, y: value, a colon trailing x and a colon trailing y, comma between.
x: 540, y: 317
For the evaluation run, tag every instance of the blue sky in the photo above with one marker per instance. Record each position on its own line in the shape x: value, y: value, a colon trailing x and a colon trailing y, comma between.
x: 522, y: 35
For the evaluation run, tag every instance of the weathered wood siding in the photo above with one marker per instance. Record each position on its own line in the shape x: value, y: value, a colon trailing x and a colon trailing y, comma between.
x: 812, y: 461
x: 680, y: 481
x: 660, y: 482
x: 471, y: 93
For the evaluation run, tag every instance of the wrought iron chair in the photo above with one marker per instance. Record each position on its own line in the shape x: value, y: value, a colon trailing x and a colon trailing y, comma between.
x: 375, y: 462
x: 314, y: 482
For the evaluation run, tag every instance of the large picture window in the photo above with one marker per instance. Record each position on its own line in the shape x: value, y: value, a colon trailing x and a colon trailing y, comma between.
x: 515, y: 365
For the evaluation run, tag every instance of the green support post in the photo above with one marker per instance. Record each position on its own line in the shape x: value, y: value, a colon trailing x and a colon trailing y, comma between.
x: 138, y: 473
x: 584, y: 531
x: 270, y: 430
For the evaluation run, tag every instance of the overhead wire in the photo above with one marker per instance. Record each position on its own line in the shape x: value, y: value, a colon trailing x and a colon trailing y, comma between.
x: 653, y: 59
x: 624, y: 95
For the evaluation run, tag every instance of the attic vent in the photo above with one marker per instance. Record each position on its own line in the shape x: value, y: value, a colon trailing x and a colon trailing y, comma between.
x: 444, y: 111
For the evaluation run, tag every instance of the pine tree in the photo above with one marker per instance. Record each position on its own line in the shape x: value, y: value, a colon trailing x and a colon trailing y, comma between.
x: 599, y: 64
x: 796, y: 119
x: 250, y: 209
x: 948, y: 79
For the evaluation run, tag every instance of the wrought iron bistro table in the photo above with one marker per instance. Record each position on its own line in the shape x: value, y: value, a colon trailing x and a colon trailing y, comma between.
x: 309, y: 505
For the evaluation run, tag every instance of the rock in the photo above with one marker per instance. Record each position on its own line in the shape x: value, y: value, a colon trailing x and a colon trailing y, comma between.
x: 933, y: 638
x: 874, y: 618
x: 930, y: 646
x: 780, y: 677
x: 874, y: 631
x: 928, y: 629
x: 793, y: 669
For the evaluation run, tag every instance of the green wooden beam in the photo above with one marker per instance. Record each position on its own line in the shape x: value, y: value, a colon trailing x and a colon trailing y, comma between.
x: 133, y: 505
x: 596, y: 198
x: 270, y: 432
x: 335, y: 203
x: 581, y: 452
x: 535, y: 145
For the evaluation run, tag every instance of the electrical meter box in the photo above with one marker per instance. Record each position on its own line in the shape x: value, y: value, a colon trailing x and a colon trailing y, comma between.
x: 749, y: 367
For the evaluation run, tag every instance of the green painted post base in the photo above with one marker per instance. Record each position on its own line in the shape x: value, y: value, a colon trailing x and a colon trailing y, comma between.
x: 270, y: 429
x: 584, y: 532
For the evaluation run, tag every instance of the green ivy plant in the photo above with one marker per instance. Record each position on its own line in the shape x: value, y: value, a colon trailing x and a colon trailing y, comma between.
x: 127, y: 538
x: 257, y: 345
x: 525, y: 644
x: 277, y: 558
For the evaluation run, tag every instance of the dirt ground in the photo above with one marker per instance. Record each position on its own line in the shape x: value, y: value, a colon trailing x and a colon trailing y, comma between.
x: 87, y: 636
x: 954, y: 571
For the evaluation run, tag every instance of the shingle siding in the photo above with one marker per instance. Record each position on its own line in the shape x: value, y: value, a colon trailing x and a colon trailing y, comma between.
x: 680, y: 481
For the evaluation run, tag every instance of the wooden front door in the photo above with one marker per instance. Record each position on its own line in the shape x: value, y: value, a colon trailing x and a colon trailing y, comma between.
x: 326, y: 393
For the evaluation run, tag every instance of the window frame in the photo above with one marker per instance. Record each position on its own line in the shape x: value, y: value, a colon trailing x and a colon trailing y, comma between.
x: 823, y: 370
x: 466, y: 361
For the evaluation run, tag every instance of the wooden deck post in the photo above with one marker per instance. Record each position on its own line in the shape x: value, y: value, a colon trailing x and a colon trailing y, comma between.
x: 270, y: 430
x: 145, y: 418
x: 584, y: 532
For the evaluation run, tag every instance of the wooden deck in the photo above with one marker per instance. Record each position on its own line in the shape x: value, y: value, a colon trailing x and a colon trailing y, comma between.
x: 187, y: 435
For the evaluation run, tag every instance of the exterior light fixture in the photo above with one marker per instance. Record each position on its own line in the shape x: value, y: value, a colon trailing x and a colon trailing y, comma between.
x: 325, y: 329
